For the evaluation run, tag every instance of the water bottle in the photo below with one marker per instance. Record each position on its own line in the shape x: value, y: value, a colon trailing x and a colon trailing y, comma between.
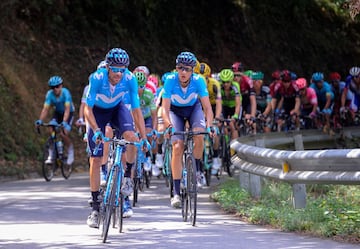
x: 59, y: 147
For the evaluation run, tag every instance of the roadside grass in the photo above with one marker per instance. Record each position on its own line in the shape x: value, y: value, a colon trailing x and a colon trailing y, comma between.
x: 332, y: 211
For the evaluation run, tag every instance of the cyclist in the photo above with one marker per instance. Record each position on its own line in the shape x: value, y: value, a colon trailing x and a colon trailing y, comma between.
x: 263, y: 101
x: 214, y: 89
x: 287, y: 99
x: 148, y: 109
x: 353, y: 86
x: 274, y: 86
x: 325, y: 98
x: 108, y: 130
x: 60, y: 98
x: 185, y: 94
x: 337, y: 87
x: 248, y: 101
x: 308, y: 99
x: 231, y: 99
x: 104, y: 103
x: 159, y: 161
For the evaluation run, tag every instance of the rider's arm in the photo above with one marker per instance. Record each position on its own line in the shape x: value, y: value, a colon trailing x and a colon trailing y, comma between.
x: 297, y: 105
x: 343, y: 96
x: 237, y: 104
x: 328, y: 100
x: 207, y: 110
x: 44, y: 112
x: 252, y: 105
x: 165, y: 111
x: 139, y: 122
x: 89, y: 115
x: 66, y: 112
x: 218, y: 101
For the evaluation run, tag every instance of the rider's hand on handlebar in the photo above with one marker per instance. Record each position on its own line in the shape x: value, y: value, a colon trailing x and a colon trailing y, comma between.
x: 98, y: 137
x: 38, y: 122
x: 80, y: 122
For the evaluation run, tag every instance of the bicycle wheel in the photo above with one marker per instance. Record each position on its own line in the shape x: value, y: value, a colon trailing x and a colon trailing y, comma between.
x: 48, y: 169
x: 184, y: 203
x: 207, y: 167
x: 120, y: 211
x: 136, y: 190
x: 110, y: 204
x: 66, y: 169
x: 167, y: 170
x: 144, y: 178
x: 191, y: 189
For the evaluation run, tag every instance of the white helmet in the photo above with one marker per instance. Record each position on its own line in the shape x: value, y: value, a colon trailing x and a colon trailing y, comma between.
x: 354, y: 71
x: 143, y: 69
x: 102, y: 64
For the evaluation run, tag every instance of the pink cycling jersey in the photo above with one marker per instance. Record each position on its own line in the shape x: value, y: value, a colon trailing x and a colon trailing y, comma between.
x: 309, y: 99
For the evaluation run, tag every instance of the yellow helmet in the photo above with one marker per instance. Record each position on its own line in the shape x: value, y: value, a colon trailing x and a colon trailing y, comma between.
x: 205, y: 69
x: 197, y: 67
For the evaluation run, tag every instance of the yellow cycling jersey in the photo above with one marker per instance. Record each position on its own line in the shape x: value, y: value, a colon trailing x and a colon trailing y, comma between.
x: 214, y: 90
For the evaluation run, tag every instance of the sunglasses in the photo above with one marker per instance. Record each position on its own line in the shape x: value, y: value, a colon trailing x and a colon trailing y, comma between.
x: 118, y: 69
x: 226, y: 82
x: 237, y: 75
x: 53, y: 87
x: 287, y: 81
x: 142, y: 87
x: 186, y: 69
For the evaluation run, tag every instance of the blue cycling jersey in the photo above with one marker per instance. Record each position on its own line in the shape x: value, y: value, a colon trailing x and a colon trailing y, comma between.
x: 104, y: 95
x: 323, y: 92
x: 60, y: 101
x: 188, y: 96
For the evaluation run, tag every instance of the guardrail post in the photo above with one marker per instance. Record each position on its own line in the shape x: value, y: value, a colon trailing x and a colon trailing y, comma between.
x: 251, y: 182
x: 299, y: 190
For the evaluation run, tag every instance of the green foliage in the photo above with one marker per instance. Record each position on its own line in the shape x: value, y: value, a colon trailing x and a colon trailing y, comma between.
x: 330, y: 211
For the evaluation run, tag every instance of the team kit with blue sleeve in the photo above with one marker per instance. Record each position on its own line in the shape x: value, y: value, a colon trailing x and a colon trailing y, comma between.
x: 107, y: 99
x: 59, y: 102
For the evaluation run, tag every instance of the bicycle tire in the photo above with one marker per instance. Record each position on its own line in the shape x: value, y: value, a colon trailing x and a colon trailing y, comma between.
x: 109, y: 205
x: 66, y: 169
x: 48, y: 169
x: 191, y: 189
x: 167, y: 170
x: 120, y: 211
x: 208, y: 176
x: 184, y: 204
x: 136, y: 190
x: 144, y: 179
x: 207, y: 168
x: 147, y: 179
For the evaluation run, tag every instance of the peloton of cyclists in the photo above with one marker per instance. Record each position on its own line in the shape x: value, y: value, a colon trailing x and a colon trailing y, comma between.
x: 214, y: 90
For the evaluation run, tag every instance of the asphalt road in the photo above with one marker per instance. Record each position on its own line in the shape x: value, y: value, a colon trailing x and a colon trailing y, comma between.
x: 39, y: 214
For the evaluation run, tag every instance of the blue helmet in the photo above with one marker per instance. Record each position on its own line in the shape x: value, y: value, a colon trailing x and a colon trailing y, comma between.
x: 186, y: 58
x: 318, y: 76
x: 117, y: 57
x: 55, y: 81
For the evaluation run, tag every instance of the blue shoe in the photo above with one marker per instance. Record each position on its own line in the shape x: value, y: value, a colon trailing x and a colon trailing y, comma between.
x: 128, y: 212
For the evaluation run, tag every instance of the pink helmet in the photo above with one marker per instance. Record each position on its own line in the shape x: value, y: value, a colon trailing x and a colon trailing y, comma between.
x: 301, y: 83
x: 154, y: 79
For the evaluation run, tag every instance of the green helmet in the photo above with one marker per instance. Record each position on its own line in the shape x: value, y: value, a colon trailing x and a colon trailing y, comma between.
x: 226, y: 75
x: 141, y: 78
x: 257, y: 75
x: 248, y: 73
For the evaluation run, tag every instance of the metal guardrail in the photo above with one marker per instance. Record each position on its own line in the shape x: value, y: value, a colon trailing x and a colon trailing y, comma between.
x: 329, y: 166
